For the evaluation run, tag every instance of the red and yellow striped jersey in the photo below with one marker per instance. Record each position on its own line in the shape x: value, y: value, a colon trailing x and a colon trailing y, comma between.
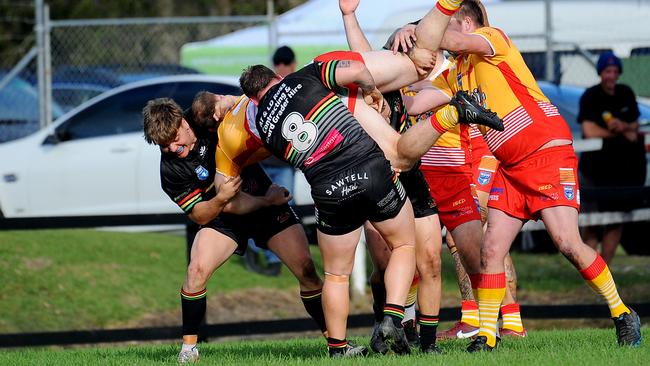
x: 510, y: 90
x: 451, y: 152
x: 239, y: 144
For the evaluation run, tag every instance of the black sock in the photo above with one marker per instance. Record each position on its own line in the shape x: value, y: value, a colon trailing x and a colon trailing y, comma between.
x: 378, y: 295
x: 193, y: 306
x: 428, y: 327
x: 314, y: 306
x: 336, y: 345
x: 396, y: 312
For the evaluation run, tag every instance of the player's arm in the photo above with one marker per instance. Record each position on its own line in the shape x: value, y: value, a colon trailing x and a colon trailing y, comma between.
x: 206, y: 211
x: 357, y: 41
x: 424, y: 101
x: 244, y: 203
x: 455, y: 41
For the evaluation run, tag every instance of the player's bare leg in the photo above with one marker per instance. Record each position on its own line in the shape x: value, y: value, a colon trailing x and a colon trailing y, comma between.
x: 291, y: 246
x: 562, y: 224
x: 429, y: 266
x: 209, y: 251
x: 338, y: 259
x: 399, y: 234
x: 490, y: 284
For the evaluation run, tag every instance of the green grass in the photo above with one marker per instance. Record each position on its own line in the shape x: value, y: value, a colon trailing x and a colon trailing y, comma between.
x: 575, y: 347
x: 85, y: 279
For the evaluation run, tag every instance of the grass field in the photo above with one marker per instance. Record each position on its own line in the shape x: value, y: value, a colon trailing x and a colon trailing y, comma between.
x: 577, y: 347
x: 85, y: 279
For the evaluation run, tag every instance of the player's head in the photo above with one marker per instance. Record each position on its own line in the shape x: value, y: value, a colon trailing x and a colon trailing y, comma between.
x: 284, y: 61
x: 469, y: 17
x: 208, y: 109
x: 609, y: 68
x: 165, y: 126
x: 256, y: 79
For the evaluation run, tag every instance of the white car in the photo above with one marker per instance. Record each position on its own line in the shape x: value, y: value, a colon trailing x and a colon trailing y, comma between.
x: 93, y: 160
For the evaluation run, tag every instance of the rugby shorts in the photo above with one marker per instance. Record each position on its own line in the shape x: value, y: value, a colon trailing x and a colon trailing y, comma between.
x: 260, y: 225
x: 368, y: 191
x: 546, y: 178
x: 453, y: 195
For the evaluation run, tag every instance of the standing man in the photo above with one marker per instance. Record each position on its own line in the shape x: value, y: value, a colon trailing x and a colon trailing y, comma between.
x: 537, y: 177
x: 609, y: 111
x: 212, y: 201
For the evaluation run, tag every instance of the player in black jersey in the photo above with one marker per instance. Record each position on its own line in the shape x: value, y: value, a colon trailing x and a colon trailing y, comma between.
x: 228, y: 217
x: 301, y: 120
x: 427, y: 224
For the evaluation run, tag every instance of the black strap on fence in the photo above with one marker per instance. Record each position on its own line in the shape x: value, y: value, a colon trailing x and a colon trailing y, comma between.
x: 278, y: 326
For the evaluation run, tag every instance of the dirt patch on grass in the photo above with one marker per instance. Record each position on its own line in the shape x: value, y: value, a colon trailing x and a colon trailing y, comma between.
x: 36, y: 264
x: 272, y: 304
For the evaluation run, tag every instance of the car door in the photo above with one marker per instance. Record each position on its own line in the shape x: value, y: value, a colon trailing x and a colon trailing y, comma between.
x: 89, y: 168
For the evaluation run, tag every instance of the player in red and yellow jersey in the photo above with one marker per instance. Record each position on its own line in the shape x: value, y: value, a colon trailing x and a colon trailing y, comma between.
x: 538, y: 175
x: 448, y: 168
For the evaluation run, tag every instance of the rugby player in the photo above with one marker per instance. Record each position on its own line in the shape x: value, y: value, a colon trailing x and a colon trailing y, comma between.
x: 188, y: 178
x: 427, y: 227
x: 537, y: 178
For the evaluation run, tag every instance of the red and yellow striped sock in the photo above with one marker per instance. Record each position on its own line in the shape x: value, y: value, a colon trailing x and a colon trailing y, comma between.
x: 511, y: 314
x: 413, y: 292
x: 491, y: 290
x: 444, y: 119
x: 469, y: 312
x: 448, y: 7
x: 600, y: 279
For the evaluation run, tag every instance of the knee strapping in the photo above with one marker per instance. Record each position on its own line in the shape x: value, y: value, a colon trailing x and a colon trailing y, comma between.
x: 337, y: 278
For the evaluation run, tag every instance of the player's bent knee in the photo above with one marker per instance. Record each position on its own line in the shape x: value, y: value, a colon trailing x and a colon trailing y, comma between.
x: 197, y: 276
x: 337, y: 278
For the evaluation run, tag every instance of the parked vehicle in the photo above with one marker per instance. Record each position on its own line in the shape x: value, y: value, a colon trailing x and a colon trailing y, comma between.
x: 93, y: 160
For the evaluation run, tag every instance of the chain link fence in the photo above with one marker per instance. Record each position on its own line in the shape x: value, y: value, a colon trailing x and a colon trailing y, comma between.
x: 90, y: 57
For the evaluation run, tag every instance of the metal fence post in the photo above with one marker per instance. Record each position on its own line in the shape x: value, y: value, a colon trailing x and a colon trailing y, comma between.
x: 39, y: 28
x: 273, y: 27
x: 548, y: 31
x: 47, y: 61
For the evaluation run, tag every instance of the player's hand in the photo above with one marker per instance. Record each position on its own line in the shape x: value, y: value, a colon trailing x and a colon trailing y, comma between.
x: 277, y: 195
x: 374, y: 98
x: 404, y: 39
x: 423, y: 59
x: 348, y: 6
x: 229, y: 188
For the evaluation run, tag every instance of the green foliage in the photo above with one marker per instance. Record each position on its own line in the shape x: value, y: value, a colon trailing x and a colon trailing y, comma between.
x: 576, y: 347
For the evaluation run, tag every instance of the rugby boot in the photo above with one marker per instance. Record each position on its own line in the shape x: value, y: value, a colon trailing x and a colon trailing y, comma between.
x: 460, y: 330
x: 471, y: 111
x: 350, y: 350
x: 505, y: 332
x: 479, y: 344
x: 628, y: 329
x: 394, y: 336
x: 376, y: 343
x: 411, y: 332
x: 188, y: 356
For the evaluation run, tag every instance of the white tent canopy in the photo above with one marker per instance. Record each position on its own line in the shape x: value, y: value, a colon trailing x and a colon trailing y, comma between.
x: 316, y: 27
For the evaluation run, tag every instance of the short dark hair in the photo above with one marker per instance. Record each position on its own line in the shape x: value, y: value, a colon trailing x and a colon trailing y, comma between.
x: 162, y: 118
x: 255, y: 78
x: 472, y: 9
x: 284, y: 55
x: 203, y: 109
